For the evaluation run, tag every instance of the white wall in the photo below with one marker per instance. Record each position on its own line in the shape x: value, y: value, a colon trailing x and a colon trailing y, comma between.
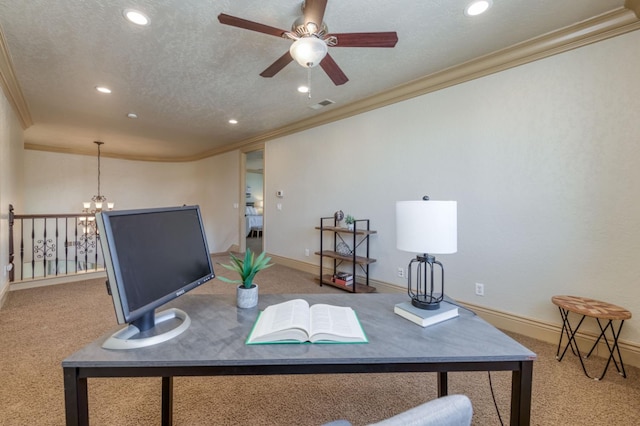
x: 219, y: 181
x: 542, y: 160
x: 11, y: 151
x: 58, y: 183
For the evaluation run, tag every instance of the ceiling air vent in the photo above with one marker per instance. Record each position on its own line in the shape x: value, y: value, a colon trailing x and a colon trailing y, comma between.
x: 322, y: 104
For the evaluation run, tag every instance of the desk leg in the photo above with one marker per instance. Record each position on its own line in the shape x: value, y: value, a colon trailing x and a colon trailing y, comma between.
x: 167, y: 401
x: 443, y: 384
x: 521, y: 384
x: 75, y: 398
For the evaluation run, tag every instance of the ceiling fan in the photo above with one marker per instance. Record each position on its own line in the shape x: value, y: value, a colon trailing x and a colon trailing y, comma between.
x: 312, y: 40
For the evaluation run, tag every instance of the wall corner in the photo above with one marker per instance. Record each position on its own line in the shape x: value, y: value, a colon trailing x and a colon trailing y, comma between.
x: 633, y: 5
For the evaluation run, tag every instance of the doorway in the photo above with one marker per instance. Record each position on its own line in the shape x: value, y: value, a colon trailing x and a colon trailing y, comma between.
x: 254, y: 200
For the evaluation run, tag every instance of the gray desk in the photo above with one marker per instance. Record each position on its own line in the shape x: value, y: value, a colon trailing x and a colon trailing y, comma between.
x: 214, y: 345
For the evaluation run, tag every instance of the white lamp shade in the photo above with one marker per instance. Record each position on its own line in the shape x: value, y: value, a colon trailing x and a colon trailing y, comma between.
x: 427, y: 226
x: 308, y: 51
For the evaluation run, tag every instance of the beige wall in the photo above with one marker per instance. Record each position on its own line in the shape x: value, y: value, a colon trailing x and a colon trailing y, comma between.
x: 58, y: 183
x: 11, y: 152
x: 542, y: 160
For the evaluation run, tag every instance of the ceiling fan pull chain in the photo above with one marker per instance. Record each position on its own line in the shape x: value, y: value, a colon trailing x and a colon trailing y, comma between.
x: 309, y: 82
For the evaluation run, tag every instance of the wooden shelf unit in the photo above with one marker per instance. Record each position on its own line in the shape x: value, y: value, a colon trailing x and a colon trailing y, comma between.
x: 355, y: 239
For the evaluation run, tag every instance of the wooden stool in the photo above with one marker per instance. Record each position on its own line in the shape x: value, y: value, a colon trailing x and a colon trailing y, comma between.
x: 593, y: 309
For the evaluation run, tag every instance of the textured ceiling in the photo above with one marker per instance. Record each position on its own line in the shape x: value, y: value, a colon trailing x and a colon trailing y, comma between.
x: 186, y: 74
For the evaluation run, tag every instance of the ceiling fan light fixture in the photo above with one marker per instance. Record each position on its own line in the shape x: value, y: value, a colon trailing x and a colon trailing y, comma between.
x: 308, y: 51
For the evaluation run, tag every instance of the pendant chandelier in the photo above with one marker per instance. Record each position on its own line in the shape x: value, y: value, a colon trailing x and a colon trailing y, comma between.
x: 98, y: 202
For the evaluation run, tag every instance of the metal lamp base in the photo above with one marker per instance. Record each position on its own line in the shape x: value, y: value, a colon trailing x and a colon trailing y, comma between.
x: 422, y: 290
x: 428, y: 303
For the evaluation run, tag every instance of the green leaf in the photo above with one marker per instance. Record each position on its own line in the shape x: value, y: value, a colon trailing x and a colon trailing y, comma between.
x: 246, y: 268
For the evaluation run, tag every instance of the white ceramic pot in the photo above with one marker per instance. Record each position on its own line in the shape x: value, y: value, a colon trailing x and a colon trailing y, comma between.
x: 247, y: 297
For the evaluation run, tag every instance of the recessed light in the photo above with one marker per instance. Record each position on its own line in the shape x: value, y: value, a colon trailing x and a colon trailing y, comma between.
x: 303, y: 89
x: 136, y: 17
x: 233, y: 121
x: 477, y: 7
x: 103, y: 89
x: 132, y: 115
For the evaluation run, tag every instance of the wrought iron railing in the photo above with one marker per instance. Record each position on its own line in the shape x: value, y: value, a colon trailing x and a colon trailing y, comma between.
x: 52, y: 245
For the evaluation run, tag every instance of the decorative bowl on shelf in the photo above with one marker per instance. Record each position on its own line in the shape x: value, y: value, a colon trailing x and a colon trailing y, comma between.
x: 343, y: 249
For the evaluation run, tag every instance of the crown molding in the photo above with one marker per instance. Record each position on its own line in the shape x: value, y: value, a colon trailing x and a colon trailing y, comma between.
x: 150, y: 158
x: 10, y: 86
x: 598, y: 28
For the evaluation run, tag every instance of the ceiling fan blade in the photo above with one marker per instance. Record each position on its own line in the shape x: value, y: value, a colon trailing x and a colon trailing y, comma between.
x: 333, y: 70
x: 280, y: 63
x: 314, y: 11
x: 249, y: 25
x: 382, y: 39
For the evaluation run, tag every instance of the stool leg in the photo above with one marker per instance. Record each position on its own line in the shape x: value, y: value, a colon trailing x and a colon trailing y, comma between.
x: 617, y: 347
x: 612, y: 349
x: 562, y: 333
x: 566, y: 329
x: 603, y: 335
x: 571, y: 335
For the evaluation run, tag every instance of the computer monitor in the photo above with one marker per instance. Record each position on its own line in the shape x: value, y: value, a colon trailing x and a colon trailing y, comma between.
x: 152, y: 256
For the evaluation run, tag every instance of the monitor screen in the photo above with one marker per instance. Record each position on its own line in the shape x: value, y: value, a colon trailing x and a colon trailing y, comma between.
x: 152, y: 256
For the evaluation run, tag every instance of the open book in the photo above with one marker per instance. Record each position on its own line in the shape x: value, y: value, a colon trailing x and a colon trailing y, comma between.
x: 296, y: 322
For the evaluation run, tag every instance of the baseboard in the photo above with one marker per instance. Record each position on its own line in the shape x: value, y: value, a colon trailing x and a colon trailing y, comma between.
x: 4, y: 292
x: 540, y: 330
x: 295, y: 264
x: 61, y: 279
x: 550, y: 333
x: 311, y: 268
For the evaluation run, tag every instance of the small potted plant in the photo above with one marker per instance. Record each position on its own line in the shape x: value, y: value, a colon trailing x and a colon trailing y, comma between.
x: 247, y: 268
x: 350, y: 221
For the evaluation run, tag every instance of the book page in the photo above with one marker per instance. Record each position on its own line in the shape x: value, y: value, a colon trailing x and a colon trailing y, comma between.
x: 335, y: 323
x: 287, y: 320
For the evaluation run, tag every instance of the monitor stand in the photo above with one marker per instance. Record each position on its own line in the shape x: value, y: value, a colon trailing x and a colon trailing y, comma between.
x: 125, y: 338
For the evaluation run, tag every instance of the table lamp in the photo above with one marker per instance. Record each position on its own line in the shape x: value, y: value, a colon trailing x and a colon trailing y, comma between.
x: 426, y: 227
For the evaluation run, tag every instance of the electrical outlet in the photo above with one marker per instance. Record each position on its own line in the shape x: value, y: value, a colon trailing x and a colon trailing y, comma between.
x: 479, y: 289
x: 306, y: 252
x: 401, y: 272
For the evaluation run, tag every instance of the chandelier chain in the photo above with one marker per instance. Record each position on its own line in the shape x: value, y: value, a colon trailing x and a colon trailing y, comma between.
x: 99, y: 197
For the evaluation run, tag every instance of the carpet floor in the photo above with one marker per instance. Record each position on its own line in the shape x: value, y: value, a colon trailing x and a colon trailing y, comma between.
x: 40, y: 327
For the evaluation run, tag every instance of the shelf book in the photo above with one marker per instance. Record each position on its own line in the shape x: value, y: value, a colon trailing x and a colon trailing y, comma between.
x: 295, y: 321
x: 343, y: 278
x: 424, y: 317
